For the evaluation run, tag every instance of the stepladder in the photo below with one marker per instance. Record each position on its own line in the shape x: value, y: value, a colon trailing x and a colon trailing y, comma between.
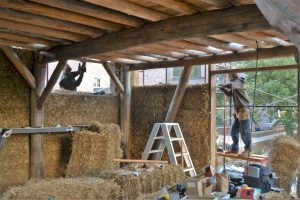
x: 169, y: 136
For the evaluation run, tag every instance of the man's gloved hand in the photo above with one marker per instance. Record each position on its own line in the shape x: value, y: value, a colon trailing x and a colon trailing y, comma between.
x: 82, y: 67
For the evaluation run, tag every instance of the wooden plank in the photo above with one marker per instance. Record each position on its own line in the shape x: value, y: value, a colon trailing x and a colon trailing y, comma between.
x: 125, y: 110
x: 65, y: 15
x: 236, y: 39
x: 179, y: 94
x: 142, y: 161
x: 239, y: 157
x: 268, y: 39
x: 37, y: 165
x: 213, y: 116
x: 39, y: 20
x: 193, y: 46
x: 253, y: 69
x: 131, y: 9
x: 26, y: 39
x: 94, y: 11
x: 215, y: 43
x: 156, y: 49
x: 275, y: 52
x: 113, y: 77
x: 5, y: 42
x: 52, y: 81
x: 203, y: 24
x: 133, y: 57
x: 17, y: 62
x: 179, y: 6
x: 18, y: 26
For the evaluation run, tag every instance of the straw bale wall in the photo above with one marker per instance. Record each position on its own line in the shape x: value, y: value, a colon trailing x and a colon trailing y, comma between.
x: 150, y: 105
x: 14, y: 112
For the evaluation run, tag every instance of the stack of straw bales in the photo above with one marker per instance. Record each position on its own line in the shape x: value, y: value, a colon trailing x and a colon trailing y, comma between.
x: 60, y: 189
x: 285, y: 160
x: 79, y: 109
x: 150, y: 105
x: 94, y: 151
x: 147, y: 182
x: 14, y: 106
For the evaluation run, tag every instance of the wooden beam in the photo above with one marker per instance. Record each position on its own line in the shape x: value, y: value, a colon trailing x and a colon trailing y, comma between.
x: 17, y: 62
x: 52, y: 81
x: 179, y: 6
x: 113, y: 77
x: 131, y: 9
x: 6, y: 42
x: 18, y: 26
x: 253, y: 69
x: 142, y: 58
x: 142, y: 161
x: 215, y: 43
x: 275, y: 52
x: 252, y: 158
x: 39, y: 20
x: 213, y: 116
x: 37, y: 165
x: 125, y: 110
x: 193, y: 46
x: 239, y: 19
x: 26, y: 39
x: 179, y: 94
x: 237, y: 39
x: 40, y: 9
x: 268, y: 39
x: 94, y: 11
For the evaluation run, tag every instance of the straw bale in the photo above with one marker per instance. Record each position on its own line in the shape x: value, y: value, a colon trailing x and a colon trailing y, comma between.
x: 75, y: 109
x: 150, y: 105
x: 151, y: 196
x: 277, y: 196
x: 60, y: 189
x: 93, y: 152
x: 147, y: 182
x: 14, y: 161
x: 285, y: 160
x: 57, y: 152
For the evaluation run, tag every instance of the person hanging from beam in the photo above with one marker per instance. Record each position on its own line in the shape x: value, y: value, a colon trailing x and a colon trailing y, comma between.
x: 67, y: 79
x: 241, y: 125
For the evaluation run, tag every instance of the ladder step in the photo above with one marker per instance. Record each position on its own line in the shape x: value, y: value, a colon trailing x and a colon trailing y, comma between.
x: 156, y: 151
x: 176, y: 139
x: 188, y: 169
x: 179, y: 154
x: 159, y: 138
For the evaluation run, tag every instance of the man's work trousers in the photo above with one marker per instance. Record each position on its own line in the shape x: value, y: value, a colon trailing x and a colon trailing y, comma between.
x: 243, y: 127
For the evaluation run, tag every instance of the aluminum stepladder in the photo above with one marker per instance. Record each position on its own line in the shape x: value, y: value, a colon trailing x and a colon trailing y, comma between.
x: 166, y: 141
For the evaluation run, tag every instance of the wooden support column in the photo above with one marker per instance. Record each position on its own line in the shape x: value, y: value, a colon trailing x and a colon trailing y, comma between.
x: 179, y: 94
x: 126, y: 109
x: 297, y: 58
x: 23, y: 70
x: 37, y: 120
x: 51, y: 83
x: 213, y: 102
x: 113, y: 77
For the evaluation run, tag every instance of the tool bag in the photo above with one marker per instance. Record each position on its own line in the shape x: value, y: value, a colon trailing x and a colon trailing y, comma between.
x: 264, y: 181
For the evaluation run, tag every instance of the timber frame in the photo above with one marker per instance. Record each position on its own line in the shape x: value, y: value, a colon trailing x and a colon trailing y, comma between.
x: 136, y: 35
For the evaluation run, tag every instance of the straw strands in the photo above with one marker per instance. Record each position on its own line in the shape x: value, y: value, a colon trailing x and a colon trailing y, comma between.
x: 61, y: 189
x: 150, y: 180
x: 285, y: 160
x: 93, y: 152
x: 150, y: 105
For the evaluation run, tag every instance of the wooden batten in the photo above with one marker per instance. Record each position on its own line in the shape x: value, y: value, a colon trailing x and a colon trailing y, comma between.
x: 275, y: 52
x: 17, y: 62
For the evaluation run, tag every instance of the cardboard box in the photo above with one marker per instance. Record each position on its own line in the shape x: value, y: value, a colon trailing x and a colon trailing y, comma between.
x: 197, y: 187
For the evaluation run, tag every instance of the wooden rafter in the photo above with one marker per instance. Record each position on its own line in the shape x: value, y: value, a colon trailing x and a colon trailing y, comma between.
x: 193, y: 46
x: 39, y: 20
x: 203, y: 24
x: 236, y: 39
x: 113, y: 77
x: 23, y: 70
x: 40, y: 9
x: 268, y: 39
x: 215, y: 43
x: 25, y: 45
x: 275, y: 52
x: 179, y: 6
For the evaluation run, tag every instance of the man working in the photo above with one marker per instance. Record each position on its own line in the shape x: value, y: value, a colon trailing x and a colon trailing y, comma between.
x: 67, y: 78
x: 236, y: 89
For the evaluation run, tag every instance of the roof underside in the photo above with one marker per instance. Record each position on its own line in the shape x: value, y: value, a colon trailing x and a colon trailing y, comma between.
x: 45, y: 24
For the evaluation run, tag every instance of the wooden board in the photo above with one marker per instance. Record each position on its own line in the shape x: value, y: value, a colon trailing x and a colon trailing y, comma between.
x: 252, y: 158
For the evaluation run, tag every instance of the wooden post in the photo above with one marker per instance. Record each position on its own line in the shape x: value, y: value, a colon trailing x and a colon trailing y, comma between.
x: 179, y: 94
x: 37, y: 120
x: 23, y: 70
x: 213, y: 102
x: 297, y: 58
x: 113, y: 77
x: 51, y: 83
x: 125, y: 109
